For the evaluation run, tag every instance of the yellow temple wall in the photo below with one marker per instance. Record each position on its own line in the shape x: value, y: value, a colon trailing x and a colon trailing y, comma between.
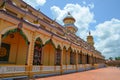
x: 21, y: 53
x: 5, y: 24
x: 48, y: 55
x: 18, y: 49
x: 68, y: 21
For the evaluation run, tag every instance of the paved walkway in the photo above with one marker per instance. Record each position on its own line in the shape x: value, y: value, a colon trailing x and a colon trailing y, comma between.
x: 110, y: 73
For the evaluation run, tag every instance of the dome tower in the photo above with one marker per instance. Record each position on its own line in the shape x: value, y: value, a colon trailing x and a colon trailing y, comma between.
x: 69, y: 24
x: 90, y: 39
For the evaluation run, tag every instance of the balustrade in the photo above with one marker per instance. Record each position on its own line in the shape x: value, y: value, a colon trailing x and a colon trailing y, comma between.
x: 12, y: 69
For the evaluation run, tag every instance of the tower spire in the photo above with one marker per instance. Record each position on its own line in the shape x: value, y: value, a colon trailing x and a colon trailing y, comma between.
x: 89, y: 33
x: 69, y: 13
x: 69, y: 21
x: 90, y: 39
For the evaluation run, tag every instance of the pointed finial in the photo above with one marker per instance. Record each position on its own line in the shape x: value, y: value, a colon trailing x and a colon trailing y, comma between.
x: 54, y: 21
x: 26, y: 8
x: 89, y: 33
x: 69, y: 13
x: 3, y: 5
x: 39, y: 10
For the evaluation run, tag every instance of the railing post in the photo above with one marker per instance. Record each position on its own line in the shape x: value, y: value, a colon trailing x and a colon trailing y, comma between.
x: 30, y: 72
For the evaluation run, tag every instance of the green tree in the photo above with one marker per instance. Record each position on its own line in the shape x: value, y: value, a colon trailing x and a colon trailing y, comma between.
x: 110, y: 58
x: 117, y: 58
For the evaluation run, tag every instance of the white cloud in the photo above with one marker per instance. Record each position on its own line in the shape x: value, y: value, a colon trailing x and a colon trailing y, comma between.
x: 35, y: 3
x: 91, y: 5
x: 82, y: 14
x: 107, y: 34
x: 108, y: 38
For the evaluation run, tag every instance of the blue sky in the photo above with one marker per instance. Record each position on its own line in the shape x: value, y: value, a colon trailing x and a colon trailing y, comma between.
x: 102, y: 17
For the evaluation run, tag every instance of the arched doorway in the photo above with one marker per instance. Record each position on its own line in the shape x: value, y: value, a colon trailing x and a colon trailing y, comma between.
x: 49, y: 53
x: 14, y: 47
x: 37, y: 57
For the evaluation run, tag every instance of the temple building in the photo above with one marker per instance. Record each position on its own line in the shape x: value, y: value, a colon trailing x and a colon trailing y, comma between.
x: 33, y: 45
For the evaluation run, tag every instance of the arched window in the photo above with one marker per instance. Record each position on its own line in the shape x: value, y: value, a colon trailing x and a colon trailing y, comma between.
x: 58, y: 55
x: 87, y: 59
x: 79, y: 57
x: 37, y: 57
x: 71, y: 58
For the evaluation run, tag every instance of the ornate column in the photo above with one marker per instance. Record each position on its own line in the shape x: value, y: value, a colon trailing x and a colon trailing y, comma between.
x: 30, y: 56
x: 42, y: 59
x: 0, y: 40
x: 91, y: 59
x: 61, y: 62
x: 66, y: 58
x: 26, y: 63
x: 85, y: 59
x: 76, y: 61
x: 31, y: 51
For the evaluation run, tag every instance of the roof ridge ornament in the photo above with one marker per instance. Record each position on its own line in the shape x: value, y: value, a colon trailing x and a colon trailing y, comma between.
x: 89, y: 33
x: 3, y: 5
x: 69, y: 13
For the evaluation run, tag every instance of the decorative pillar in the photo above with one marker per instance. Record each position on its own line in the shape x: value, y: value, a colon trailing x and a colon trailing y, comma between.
x: 85, y: 59
x: 42, y: 58
x: 26, y: 63
x: 31, y: 51
x: 30, y: 57
x: 61, y: 62
x: 76, y: 61
x: 66, y: 58
x: 95, y: 60
x: 91, y: 59
x: 0, y: 40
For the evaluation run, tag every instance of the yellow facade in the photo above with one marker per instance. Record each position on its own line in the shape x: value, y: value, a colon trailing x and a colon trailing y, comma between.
x: 29, y: 47
x: 18, y: 47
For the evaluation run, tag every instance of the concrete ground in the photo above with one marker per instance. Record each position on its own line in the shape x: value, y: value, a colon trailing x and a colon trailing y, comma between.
x: 109, y: 73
